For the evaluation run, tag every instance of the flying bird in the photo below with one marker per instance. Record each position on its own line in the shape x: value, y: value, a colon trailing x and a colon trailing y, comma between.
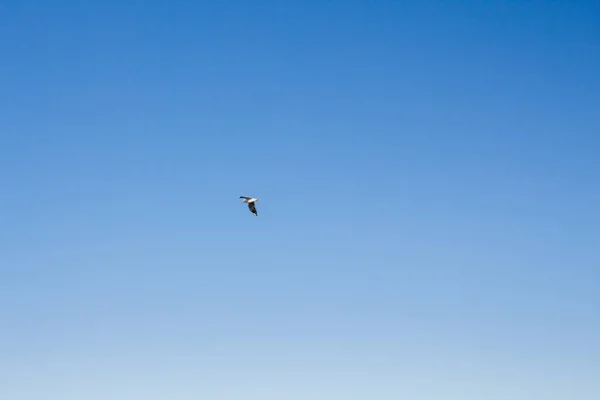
x: 251, y: 205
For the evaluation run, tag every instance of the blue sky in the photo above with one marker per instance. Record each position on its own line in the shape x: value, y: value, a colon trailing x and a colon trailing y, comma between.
x: 428, y: 225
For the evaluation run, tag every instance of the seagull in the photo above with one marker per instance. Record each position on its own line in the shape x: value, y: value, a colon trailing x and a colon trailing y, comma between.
x: 251, y: 205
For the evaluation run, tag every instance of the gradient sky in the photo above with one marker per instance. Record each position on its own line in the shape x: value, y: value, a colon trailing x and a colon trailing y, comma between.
x: 429, y: 222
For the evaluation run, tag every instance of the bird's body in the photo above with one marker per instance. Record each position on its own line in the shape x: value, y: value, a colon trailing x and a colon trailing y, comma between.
x: 251, y: 205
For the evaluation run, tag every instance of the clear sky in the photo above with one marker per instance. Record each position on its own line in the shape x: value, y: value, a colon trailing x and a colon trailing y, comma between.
x: 429, y: 214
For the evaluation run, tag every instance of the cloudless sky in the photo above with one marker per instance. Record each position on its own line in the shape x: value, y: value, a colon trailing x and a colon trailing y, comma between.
x: 429, y: 181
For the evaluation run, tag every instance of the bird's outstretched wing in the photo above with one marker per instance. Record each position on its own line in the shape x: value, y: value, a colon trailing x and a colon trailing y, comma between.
x: 244, y: 197
x: 252, y: 208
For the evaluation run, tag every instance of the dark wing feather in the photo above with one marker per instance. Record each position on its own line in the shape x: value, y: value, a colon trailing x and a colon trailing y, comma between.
x: 252, y: 208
